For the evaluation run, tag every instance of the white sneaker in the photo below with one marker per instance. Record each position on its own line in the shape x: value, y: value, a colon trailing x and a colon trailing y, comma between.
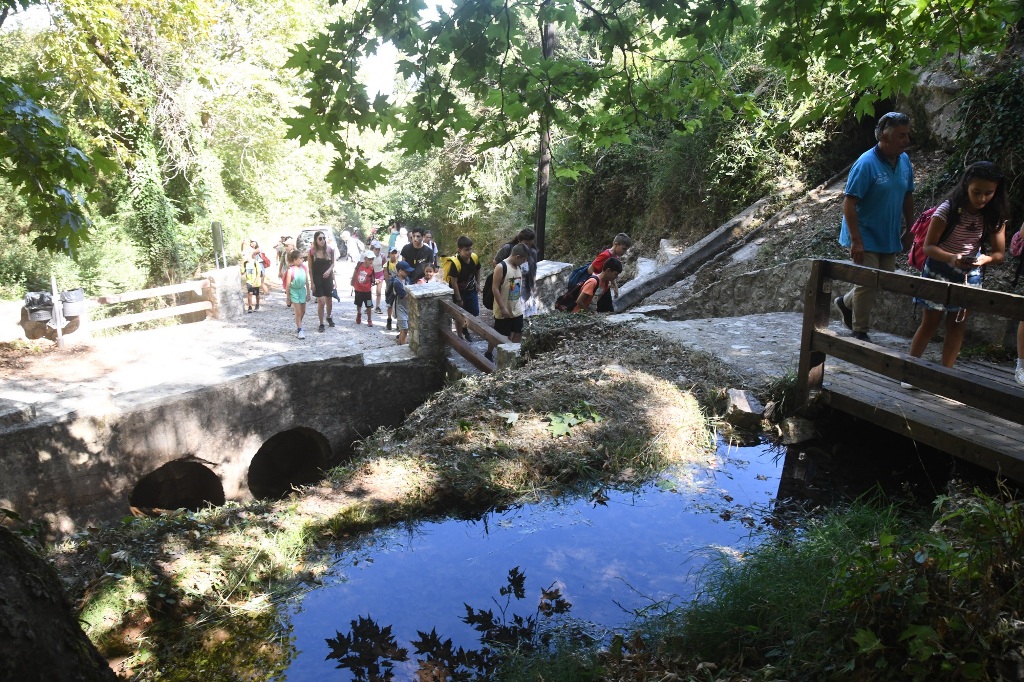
x: 1019, y: 375
x: 301, y: 334
x: 909, y: 387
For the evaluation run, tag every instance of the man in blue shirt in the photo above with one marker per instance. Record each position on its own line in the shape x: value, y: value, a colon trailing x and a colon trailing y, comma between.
x: 879, y: 201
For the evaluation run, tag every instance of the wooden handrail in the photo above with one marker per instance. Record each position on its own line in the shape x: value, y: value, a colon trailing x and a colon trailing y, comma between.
x: 818, y: 342
x: 475, y: 324
x: 195, y: 286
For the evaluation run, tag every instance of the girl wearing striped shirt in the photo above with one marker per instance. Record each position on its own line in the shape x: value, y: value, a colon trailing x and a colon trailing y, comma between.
x: 977, y: 208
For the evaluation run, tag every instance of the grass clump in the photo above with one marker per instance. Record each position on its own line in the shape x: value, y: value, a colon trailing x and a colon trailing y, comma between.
x: 871, y: 591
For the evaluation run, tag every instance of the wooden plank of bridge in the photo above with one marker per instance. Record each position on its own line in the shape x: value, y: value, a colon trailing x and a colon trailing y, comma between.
x: 487, y: 333
x: 999, y: 397
x: 948, y: 425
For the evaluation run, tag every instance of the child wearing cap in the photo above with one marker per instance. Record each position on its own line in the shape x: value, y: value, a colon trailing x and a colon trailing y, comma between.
x: 401, y: 302
x: 362, y: 284
x: 378, y: 271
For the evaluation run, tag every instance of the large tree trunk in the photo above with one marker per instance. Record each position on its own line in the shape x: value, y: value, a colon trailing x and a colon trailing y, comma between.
x: 544, y: 163
x: 40, y: 639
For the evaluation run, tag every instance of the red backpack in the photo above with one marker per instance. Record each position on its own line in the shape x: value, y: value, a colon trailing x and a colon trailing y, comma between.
x: 915, y: 257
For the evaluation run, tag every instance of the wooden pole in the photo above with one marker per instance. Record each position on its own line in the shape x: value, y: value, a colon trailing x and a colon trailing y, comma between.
x: 58, y: 311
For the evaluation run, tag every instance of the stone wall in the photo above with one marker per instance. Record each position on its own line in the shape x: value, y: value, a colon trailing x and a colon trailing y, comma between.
x: 81, y: 467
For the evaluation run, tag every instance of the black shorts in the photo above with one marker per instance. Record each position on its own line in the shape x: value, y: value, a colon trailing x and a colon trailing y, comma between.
x: 323, y: 287
x: 364, y: 297
x: 509, y: 325
x: 252, y: 290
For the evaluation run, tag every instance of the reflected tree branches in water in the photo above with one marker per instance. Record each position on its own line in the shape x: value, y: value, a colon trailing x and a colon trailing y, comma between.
x: 370, y: 652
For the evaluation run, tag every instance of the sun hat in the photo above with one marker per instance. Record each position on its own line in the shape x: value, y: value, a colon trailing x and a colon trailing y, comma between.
x: 367, y: 254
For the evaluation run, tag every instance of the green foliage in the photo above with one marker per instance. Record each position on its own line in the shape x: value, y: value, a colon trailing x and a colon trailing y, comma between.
x: 478, y: 68
x: 38, y: 160
x: 560, y: 423
x: 873, y: 49
x: 991, y: 112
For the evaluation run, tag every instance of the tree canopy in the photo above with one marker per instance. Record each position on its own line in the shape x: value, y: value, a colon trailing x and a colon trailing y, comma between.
x: 477, y: 68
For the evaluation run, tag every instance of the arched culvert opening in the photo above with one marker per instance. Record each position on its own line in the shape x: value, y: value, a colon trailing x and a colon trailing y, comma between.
x: 181, y: 484
x: 291, y: 458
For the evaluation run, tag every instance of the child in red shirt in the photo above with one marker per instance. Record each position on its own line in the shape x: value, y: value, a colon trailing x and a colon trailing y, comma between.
x: 620, y: 245
x: 362, y: 284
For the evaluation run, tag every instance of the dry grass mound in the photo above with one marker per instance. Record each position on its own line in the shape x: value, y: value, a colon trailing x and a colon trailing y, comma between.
x: 600, y: 401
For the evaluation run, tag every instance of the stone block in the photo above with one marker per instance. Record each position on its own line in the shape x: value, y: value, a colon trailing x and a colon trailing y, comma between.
x: 507, y: 356
x: 551, y: 282
x: 797, y: 430
x: 744, y: 410
x: 225, y: 293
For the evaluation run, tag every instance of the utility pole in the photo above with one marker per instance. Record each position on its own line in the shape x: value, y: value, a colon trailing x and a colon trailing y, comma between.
x: 544, y: 162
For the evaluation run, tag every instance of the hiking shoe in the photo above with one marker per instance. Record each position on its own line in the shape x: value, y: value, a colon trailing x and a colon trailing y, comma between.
x: 845, y: 312
x: 301, y: 334
x: 465, y: 332
x: 330, y: 322
x: 320, y: 329
x: 489, y: 355
x: 369, y: 323
x: 862, y: 336
x: 388, y: 325
x: 909, y: 387
x: 257, y: 306
x: 249, y: 310
x: 378, y: 310
x: 1019, y: 375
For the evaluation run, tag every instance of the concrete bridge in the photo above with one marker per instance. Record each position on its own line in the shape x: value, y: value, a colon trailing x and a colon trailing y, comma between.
x: 224, y: 409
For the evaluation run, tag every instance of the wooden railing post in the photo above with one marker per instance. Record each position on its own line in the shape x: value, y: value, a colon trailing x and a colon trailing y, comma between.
x: 817, y: 298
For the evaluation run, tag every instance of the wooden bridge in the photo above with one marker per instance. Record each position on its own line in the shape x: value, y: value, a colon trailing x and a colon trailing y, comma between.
x: 972, y: 411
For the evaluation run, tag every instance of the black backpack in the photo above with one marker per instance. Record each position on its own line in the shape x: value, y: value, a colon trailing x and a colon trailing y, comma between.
x: 567, y: 301
x: 487, y: 296
x: 389, y: 291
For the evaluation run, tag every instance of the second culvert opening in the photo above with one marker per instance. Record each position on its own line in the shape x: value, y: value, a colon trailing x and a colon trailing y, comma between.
x: 291, y: 458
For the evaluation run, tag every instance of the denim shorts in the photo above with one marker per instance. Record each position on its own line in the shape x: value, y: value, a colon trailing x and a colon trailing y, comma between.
x: 944, y: 272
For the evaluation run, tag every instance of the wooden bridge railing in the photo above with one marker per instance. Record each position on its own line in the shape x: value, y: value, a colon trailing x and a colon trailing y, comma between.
x: 476, y: 325
x: 196, y: 286
x: 1003, y: 400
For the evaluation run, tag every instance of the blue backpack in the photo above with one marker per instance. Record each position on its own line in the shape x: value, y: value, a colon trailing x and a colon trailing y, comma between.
x: 578, y: 276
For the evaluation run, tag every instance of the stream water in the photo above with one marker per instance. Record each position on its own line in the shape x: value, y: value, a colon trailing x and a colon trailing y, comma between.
x: 609, y: 556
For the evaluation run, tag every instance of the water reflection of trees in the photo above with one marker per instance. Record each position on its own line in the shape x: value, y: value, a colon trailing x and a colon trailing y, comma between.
x: 370, y: 651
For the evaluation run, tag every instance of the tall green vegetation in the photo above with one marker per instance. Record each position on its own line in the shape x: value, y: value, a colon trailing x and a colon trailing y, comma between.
x: 179, y: 107
x: 478, y: 69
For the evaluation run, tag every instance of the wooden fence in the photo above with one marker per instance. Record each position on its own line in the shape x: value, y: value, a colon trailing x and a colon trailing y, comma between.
x: 968, y: 410
x: 197, y: 287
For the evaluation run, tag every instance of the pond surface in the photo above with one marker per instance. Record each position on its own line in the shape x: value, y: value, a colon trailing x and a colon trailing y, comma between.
x: 610, y: 555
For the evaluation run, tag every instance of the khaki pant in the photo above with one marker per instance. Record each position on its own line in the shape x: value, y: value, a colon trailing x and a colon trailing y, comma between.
x: 861, y: 299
